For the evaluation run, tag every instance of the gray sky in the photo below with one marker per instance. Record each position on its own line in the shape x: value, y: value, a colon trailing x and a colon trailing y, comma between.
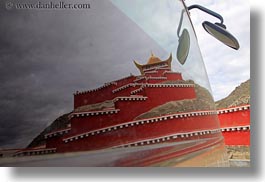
x: 226, y: 67
x: 46, y: 55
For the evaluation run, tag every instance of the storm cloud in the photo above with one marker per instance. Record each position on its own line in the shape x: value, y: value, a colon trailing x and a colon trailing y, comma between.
x: 46, y: 55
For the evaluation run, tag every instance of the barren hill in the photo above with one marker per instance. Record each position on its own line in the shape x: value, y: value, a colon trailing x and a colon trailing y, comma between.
x: 240, y: 96
x: 60, y: 123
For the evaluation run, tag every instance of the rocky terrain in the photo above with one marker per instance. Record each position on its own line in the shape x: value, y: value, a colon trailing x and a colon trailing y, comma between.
x: 240, y: 96
x: 60, y: 123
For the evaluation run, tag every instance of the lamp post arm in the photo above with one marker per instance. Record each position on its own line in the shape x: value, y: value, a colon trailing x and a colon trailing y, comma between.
x: 207, y: 11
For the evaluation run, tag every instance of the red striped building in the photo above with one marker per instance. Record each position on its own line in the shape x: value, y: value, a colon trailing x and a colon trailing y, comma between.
x: 235, y: 125
x: 106, y: 117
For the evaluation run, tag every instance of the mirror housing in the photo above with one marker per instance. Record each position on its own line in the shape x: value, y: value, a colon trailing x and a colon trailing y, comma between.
x: 219, y: 31
x: 183, y: 47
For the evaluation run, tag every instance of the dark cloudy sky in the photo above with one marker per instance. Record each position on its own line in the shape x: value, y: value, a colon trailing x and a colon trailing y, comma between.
x: 46, y: 55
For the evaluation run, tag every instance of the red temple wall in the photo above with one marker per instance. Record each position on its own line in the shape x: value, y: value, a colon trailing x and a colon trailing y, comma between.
x: 141, y: 81
x: 154, y: 81
x: 237, y: 118
x: 103, y: 142
x: 54, y: 142
x: 106, y: 93
x: 234, y: 119
x: 100, y: 95
x: 173, y: 76
x: 94, y: 96
x: 125, y: 81
x: 157, y: 96
x: 131, y: 109
x: 141, y: 132
x: 170, y: 76
x: 125, y: 92
x: 128, y: 111
x: 153, y: 74
x: 237, y: 137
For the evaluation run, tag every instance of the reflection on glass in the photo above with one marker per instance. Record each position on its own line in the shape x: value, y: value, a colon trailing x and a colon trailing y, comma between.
x: 160, y: 114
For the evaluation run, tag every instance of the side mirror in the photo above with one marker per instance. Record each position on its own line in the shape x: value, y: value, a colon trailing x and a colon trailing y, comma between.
x: 183, y: 47
x: 219, y: 31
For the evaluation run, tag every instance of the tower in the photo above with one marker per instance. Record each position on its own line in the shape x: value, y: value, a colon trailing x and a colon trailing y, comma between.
x: 153, y: 63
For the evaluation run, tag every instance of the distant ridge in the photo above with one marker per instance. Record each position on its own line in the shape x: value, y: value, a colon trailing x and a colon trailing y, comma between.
x: 240, y: 96
x: 60, y: 123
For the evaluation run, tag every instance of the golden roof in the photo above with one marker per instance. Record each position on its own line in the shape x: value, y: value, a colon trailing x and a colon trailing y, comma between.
x: 153, y: 59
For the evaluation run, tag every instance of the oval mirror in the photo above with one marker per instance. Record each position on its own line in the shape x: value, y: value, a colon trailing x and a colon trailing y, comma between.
x: 183, y: 47
x: 221, y: 34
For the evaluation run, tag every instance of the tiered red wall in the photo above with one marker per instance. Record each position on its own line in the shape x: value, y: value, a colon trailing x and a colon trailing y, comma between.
x: 100, y: 95
x: 141, y: 132
x: 129, y: 110
x: 237, y: 137
x: 173, y: 76
x: 235, y: 119
x: 93, y: 96
x: 106, y: 93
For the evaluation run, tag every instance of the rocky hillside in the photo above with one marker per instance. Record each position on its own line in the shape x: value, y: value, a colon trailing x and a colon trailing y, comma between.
x: 240, y: 96
x: 60, y: 123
